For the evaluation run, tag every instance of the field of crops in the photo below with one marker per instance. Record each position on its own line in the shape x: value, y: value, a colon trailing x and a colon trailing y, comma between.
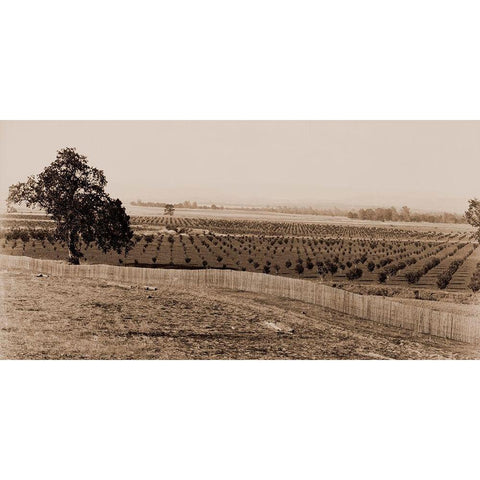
x: 421, y: 258
x: 293, y: 228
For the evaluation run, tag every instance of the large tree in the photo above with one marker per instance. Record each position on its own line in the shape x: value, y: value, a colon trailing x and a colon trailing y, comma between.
x: 473, y: 215
x: 169, y: 209
x: 73, y: 194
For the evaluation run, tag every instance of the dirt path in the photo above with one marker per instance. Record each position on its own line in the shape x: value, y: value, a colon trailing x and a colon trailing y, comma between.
x: 69, y: 318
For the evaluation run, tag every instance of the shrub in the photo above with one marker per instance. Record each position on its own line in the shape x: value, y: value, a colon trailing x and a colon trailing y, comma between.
x: 382, y: 277
x: 354, y: 273
x: 392, y: 269
x: 444, y: 279
x: 415, y: 275
x: 24, y: 236
x: 299, y: 268
x: 322, y: 270
x: 474, y: 284
x: 332, y: 268
x: 385, y: 261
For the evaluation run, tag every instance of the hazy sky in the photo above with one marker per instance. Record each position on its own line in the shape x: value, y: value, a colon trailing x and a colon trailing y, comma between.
x: 429, y: 165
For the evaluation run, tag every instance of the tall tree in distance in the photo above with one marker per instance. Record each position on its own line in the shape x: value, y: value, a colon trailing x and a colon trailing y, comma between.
x: 169, y: 209
x: 405, y: 213
x: 73, y: 194
x: 473, y: 215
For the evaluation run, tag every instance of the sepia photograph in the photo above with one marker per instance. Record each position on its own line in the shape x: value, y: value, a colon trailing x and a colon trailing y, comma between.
x: 240, y: 240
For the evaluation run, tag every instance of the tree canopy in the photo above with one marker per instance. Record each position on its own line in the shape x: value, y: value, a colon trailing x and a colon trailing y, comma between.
x: 73, y: 194
x: 169, y: 209
x: 473, y: 215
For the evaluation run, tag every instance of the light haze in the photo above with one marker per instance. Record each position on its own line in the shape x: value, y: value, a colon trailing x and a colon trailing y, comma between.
x: 430, y: 165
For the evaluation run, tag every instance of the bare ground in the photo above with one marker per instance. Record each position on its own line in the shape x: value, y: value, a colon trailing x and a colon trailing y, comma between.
x: 59, y: 318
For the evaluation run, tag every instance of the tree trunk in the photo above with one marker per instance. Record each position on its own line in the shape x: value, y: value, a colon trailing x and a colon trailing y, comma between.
x: 73, y: 259
x: 73, y: 253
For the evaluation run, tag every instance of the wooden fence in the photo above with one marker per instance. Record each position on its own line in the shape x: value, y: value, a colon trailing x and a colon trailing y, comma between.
x: 378, y: 309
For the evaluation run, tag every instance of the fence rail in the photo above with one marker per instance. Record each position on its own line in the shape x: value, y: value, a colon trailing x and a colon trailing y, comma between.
x: 378, y: 309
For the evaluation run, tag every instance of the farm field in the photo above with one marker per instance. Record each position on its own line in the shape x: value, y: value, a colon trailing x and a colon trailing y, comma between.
x: 203, y: 218
x: 388, y: 255
x: 232, y: 213
x: 104, y: 320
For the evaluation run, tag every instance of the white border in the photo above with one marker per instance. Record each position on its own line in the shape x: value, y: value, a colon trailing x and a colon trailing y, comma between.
x: 217, y: 420
x: 255, y: 59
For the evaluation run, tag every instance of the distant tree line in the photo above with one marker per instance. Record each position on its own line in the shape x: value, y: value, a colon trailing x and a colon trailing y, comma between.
x: 185, y: 204
x: 391, y: 214
x: 404, y: 215
x: 379, y: 214
x: 333, y: 212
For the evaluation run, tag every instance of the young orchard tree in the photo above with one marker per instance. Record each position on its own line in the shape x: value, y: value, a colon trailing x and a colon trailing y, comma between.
x: 299, y: 268
x: 73, y: 194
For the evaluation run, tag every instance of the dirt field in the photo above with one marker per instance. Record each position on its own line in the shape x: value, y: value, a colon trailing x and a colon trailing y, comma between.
x: 73, y: 319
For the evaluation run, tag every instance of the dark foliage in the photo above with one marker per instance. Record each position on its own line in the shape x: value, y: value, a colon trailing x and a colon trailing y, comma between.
x: 73, y: 194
